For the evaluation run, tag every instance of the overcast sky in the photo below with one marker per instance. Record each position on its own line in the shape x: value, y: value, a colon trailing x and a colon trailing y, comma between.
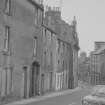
x: 90, y: 15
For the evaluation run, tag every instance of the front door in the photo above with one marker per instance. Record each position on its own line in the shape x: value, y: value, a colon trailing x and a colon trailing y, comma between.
x: 25, y: 81
x: 51, y: 80
x: 42, y: 84
x: 34, y: 80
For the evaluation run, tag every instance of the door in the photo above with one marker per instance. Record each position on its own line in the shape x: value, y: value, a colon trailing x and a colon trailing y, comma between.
x: 34, y: 80
x: 25, y: 81
x: 42, y: 84
x: 51, y: 80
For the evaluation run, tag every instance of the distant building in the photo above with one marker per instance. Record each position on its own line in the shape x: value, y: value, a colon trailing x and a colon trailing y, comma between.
x: 83, y: 69
x: 96, y: 62
x: 101, y: 64
x: 98, y: 45
x: 82, y: 57
x: 94, y: 75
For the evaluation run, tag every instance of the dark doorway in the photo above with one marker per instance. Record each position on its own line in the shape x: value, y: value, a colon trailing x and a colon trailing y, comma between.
x: 51, y: 80
x: 25, y: 81
x: 42, y: 84
x: 34, y: 80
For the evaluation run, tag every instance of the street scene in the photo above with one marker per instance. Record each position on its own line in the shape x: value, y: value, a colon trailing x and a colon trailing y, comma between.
x: 59, y: 98
x: 65, y: 99
x: 52, y: 52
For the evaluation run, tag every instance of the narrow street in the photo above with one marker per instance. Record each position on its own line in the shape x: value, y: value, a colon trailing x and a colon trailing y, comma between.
x: 52, y: 52
x: 71, y: 99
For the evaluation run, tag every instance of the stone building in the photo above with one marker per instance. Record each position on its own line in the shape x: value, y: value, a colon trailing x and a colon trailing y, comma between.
x: 98, y: 45
x: 21, y: 35
x: 100, y: 65
x: 67, y: 47
x: 37, y: 54
x: 93, y: 68
x: 95, y: 63
x: 75, y: 47
x: 82, y: 57
x: 49, y: 59
x: 83, y: 67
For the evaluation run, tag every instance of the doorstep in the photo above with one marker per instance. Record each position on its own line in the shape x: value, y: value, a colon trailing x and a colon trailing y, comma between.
x: 44, y: 97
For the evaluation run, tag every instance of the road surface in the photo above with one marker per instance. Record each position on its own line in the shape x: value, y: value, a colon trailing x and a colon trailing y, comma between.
x: 71, y: 99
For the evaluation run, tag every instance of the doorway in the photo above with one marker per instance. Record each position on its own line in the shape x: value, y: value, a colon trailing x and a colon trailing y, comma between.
x: 50, y: 81
x: 42, y: 84
x: 25, y: 81
x: 34, y: 80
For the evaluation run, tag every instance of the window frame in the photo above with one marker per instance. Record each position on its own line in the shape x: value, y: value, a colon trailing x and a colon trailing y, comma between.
x: 36, y: 16
x: 8, y: 7
x: 35, y: 46
x: 59, y: 43
x: 6, y: 39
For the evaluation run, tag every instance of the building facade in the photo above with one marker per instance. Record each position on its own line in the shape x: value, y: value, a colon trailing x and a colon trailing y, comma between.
x: 37, y: 54
x: 21, y: 32
x: 100, y: 65
x: 93, y: 68
x: 67, y: 39
x: 97, y: 59
x: 49, y: 59
x: 84, y: 67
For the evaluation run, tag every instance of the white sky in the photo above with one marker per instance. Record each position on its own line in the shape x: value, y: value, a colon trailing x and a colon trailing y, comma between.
x: 90, y: 16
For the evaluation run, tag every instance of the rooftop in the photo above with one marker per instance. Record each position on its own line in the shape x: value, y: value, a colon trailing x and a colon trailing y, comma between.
x: 100, y: 50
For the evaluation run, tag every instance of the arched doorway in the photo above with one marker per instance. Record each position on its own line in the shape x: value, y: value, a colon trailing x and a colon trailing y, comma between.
x: 34, y: 80
x: 25, y: 81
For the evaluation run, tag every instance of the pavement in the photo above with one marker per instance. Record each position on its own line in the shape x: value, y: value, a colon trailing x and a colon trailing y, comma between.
x: 40, y: 98
x: 67, y: 99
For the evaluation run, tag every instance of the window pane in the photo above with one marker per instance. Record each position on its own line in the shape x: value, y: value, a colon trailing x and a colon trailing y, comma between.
x: 39, y: 16
x: 36, y: 15
x: 44, y: 34
x: 7, y: 6
x: 6, y: 40
x: 35, y: 39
